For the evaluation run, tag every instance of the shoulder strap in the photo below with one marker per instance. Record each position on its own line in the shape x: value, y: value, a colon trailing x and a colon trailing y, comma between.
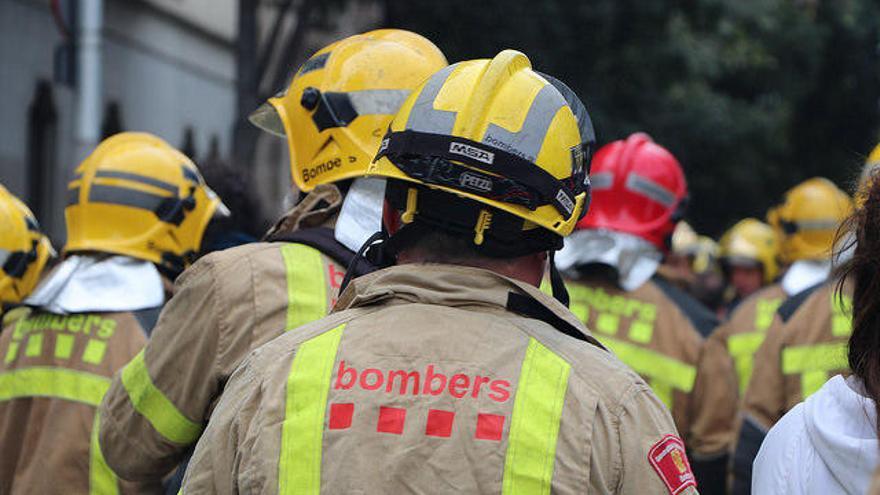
x: 147, y: 318
x: 700, y: 317
x: 529, y: 307
x: 791, y: 305
x: 322, y: 239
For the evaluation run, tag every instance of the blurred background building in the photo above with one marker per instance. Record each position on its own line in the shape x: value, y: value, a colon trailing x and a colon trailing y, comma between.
x: 75, y: 71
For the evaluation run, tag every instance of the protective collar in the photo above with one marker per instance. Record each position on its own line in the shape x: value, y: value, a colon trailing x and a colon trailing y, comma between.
x: 803, y: 274
x: 82, y: 283
x: 635, y: 259
x: 361, y: 214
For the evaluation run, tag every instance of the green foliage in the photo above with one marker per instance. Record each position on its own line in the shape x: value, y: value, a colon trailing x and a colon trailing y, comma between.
x: 752, y: 96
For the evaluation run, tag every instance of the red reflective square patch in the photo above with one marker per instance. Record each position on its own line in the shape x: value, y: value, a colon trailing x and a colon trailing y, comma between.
x: 340, y: 416
x: 670, y: 461
x: 439, y: 423
x: 391, y: 420
x: 489, y: 426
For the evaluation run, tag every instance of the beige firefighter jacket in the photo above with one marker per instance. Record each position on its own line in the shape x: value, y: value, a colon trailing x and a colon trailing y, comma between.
x: 804, y: 347
x: 225, y: 305
x: 54, y: 369
x: 725, y: 367
x: 649, y: 332
x: 423, y: 381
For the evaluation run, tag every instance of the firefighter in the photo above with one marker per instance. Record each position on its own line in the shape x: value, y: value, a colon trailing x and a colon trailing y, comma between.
x: 137, y: 209
x: 333, y: 114
x: 452, y: 371
x: 800, y: 348
x: 24, y: 252
x: 725, y: 364
x: 611, y: 264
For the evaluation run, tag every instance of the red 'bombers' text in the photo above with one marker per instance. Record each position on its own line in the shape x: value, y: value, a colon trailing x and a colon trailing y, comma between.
x: 427, y: 382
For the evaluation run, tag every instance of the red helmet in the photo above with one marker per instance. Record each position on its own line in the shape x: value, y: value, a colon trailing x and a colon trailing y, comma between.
x: 638, y: 188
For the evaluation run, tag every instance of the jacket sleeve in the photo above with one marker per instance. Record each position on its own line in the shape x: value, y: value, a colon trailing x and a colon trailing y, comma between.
x: 215, y: 463
x: 157, y: 405
x: 763, y: 405
x: 643, y: 423
x: 715, y: 399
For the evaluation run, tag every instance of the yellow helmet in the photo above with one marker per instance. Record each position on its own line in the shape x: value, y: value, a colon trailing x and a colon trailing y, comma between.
x: 24, y: 250
x: 868, y: 172
x: 499, y: 135
x: 684, y: 239
x: 752, y: 241
x: 807, y: 221
x: 137, y: 196
x: 340, y: 102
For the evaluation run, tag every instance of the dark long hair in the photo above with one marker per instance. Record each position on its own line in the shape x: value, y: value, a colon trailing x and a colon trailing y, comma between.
x: 862, y: 272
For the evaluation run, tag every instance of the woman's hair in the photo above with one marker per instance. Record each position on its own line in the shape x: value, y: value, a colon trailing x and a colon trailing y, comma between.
x: 861, y: 235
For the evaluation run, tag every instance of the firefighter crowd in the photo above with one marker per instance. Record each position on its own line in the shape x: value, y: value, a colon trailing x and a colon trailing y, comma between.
x: 470, y: 296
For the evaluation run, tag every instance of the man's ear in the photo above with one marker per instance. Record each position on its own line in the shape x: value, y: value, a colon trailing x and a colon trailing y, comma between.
x: 390, y: 218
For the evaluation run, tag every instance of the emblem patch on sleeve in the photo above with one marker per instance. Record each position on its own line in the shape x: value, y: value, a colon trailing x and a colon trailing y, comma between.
x: 670, y: 461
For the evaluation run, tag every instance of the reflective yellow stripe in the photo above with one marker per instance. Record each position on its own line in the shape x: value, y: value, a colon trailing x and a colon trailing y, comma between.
x: 812, y: 381
x: 102, y: 481
x: 154, y: 406
x: 534, y: 424
x: 742, y: 348
x: 819, y: 357
x: 653, y: 365
x: 306, y: 286
x: 841, y: 315
x: 302, y: 433
x: 57, y: 383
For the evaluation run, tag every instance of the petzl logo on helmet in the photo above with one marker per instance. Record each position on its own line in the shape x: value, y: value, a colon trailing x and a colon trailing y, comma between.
x: 476, y: 182
x: 472, y: 152
x: 565, y: 201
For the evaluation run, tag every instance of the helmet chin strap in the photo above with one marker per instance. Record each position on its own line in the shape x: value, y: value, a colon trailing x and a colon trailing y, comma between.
x: 377, y: 241
x: 560, y: 293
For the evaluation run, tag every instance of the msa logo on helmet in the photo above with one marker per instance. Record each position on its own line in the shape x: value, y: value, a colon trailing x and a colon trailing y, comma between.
x: 472, y: 152
x: 476, y: 182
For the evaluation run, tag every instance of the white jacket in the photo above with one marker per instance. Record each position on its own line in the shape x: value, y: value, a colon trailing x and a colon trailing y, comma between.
x: 826, y: 445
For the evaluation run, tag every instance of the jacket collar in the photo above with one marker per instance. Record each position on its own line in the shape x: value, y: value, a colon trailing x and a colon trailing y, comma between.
x: 454, y: 286
x: 319, y: 208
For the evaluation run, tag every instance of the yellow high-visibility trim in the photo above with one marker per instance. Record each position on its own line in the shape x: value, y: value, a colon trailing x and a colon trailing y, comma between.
x: 11, y: 352
x: 742, y: 348
x: 63, y: 346
x: 818, y: 357
x: 102, y: 480
x: 654, y: 366
x: 306, y: 285
x: 94, y: 351
x: 302, y: 433
x: 34, y: 345
x: 58, y: 383
x: 534, y: 424
x: 812, y: 381
x: 152, y: 404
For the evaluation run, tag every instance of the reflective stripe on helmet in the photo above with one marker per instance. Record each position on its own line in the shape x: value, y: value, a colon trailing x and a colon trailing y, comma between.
x: 534, y: 425
x: 306, y: 285
x: 663, y: 372
x: 125, y: 196
x: 302, y: 433
x: 424, y: 117
x: 527, y: 141
x: 647, y: 187
x: 152, y: 404
x: 102, y: 480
